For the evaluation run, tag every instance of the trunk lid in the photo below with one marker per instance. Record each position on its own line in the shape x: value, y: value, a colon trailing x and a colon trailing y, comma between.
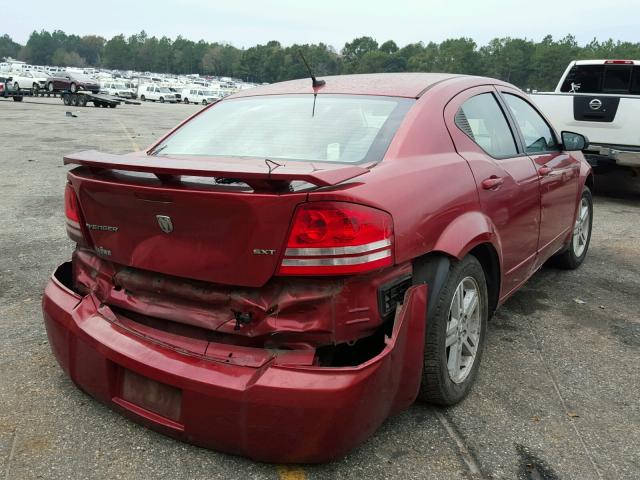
x: 218, y: 234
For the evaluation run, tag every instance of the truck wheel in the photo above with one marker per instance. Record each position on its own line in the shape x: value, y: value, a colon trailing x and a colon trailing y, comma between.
x: 456, y: 331
x: 82, y: 101
x: 66, y: 99
x: 112, y: 105
x: 16, y: 86
x: 576, y: 251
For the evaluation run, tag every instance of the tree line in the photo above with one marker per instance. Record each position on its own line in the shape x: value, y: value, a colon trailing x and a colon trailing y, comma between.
x: 525, y: 63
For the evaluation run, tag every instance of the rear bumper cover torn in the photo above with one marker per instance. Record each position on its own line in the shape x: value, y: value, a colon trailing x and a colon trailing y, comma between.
x: 273, y: 408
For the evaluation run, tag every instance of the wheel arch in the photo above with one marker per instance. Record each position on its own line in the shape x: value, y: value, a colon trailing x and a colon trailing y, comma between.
x: 471, y: 233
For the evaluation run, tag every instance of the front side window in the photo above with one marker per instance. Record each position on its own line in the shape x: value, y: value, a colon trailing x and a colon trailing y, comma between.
x: 482, y: 119
x: 538, y: 136
x: 328, y: 128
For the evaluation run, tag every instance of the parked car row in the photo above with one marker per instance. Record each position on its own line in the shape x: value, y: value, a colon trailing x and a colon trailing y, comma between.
x: 162, y: 94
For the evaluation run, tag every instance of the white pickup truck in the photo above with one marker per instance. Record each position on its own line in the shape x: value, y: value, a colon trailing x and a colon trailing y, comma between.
x: 601, y: 100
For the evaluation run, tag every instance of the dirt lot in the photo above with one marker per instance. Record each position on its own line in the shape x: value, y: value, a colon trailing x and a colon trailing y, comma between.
x: 557, y: 395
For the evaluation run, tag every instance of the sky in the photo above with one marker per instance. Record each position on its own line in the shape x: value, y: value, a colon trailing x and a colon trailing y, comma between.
x: 245, y: 23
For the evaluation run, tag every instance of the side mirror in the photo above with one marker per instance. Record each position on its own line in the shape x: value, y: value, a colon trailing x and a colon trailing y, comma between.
x: 572, y: 141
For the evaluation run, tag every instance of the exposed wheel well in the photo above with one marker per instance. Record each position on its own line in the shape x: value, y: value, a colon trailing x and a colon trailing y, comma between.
x: 488, y: 258
x: 589, y: 182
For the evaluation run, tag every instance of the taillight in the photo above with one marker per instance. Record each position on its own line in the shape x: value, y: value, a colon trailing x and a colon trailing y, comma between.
x: 72, y: 212
x: 337, y: 238
x: 618, y: 62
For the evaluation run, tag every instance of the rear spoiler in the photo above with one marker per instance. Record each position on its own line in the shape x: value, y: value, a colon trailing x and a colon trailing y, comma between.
x: 266, y: 174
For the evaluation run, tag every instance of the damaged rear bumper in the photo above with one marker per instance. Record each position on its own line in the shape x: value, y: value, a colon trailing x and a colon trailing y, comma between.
x: 279, y: 408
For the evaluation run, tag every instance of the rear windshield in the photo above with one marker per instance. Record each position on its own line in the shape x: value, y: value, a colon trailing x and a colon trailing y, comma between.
x: 621, y: 79
x: 331, y: 128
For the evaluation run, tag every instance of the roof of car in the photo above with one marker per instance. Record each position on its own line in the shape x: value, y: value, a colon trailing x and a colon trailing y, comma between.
x: 410, y: 85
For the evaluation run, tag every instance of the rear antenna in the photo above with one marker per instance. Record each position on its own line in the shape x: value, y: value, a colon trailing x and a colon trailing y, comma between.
x: 314, y: 81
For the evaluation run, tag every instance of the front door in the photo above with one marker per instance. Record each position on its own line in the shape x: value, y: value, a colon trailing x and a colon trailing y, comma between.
x: 558, y: 172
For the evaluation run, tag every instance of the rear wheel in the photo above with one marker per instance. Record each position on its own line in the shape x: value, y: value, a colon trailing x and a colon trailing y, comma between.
x: 16, y: 86
x: 576, y: 251
x: 161, y: 99
x: 456, y: 330
x: 50, y: 87
x: 73, y: 88
x: 36, y: 88
x: 143, y: 98
x: 204, y: 102
x: 112, y: 105
x: 186, y: 100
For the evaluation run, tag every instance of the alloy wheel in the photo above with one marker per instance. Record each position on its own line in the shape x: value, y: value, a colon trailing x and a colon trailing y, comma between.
x: 581, y: 229
x: 463, y: 329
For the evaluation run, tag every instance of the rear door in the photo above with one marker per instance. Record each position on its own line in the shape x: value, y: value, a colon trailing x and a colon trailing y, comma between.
x: 558, y: 172
x: 506, y: 177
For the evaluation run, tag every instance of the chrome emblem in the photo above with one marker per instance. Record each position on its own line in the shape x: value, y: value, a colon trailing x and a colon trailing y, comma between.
x: 595, y: 104
x: 165, y: 224
x: 263, y: 251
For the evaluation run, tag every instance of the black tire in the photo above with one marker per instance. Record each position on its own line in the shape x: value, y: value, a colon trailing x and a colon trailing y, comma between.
x: 35, y: 89
x: 66, y: 99
x: 143, y: 98
x: 112, y: 105
x: 16, y: 86
x: 50, y: 87
x: 161, y: 99
x: 18, y: 98
x: 437, y: 385
x: 73, y: 88
x: 186, y: 101
x: 82, y: 100
x: 204, y: 102
x: 96, y: 104
x: 569, y: 258
x: 75, y: 100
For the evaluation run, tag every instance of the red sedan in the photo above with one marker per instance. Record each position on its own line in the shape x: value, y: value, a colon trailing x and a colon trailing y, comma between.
x: 297, y: 262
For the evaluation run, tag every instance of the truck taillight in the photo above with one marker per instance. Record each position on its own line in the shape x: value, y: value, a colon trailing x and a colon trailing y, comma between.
x: 337, y: 238
x: 618, y: 62
x: 72, y: 214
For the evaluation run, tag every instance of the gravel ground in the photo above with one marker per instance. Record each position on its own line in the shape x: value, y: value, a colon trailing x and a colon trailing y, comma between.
x: 557, y: 396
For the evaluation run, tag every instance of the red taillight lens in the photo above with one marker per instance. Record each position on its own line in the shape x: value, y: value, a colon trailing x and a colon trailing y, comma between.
x: 72, y: 212
x: 337, y: 238
x: 618, y: 62
x: 71, y: 209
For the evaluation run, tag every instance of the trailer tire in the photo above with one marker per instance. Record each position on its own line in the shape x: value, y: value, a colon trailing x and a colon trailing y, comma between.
x: 66, y: 99
x: 112, y: 105
x: 82, y: 101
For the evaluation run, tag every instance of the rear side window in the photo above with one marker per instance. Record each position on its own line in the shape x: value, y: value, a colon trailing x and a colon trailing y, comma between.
x: 482, y: 119
x: 538, y: 136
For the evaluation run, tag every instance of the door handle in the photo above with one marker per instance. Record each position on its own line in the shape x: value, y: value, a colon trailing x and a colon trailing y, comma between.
x: 544, y: 171
x: 492, y: 183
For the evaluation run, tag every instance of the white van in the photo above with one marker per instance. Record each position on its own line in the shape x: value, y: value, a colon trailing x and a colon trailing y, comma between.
x: 117, y: 89
x: 156, y: 93
x: 196, y: 95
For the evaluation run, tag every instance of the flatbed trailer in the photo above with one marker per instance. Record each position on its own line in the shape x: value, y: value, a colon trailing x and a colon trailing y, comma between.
x: 76, y: 99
